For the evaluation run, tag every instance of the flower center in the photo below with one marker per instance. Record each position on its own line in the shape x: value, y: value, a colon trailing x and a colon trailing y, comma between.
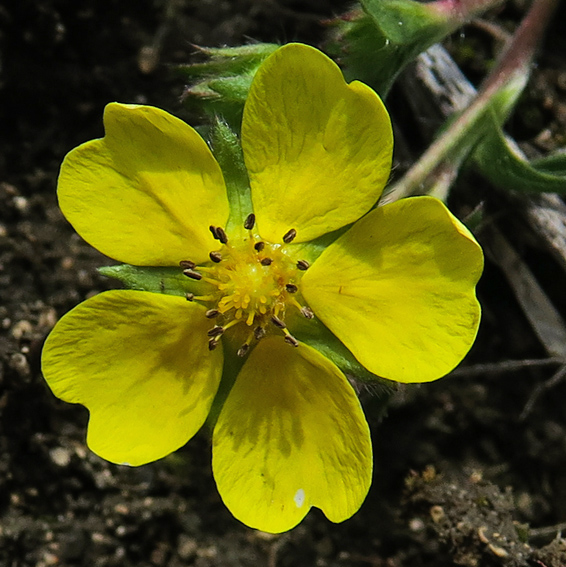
x: 253, y: 282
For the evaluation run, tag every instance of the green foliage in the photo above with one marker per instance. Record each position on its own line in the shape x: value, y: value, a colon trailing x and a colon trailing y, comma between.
x: 170, y: 281
x: 502, y: 163
x: 220, y: 85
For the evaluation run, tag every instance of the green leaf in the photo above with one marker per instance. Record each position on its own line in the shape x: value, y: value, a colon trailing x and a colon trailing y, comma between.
x: 502, y: 163
x: 170, y: 281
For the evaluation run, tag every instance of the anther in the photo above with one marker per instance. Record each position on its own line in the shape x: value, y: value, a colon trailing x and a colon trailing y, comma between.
x: 187, y: 264
x: 266, y: 261
x: 218, y: 233
x: 278, y: 322
x: 212, y: 344
x: 189, y: 296
x: 194, y: 275
x: 259, y: 246
x: 243, y: 350
x: 291, y: 288
x: 303, y: 265
x: 216, y: 257
x: 307, y: 312
x: 216, y: 331
x: 249, y: 222
x: 221, y: 235
x: 289, y: 236
x: 212, y: 313
x: 259, y: 333
x: 290, y: 339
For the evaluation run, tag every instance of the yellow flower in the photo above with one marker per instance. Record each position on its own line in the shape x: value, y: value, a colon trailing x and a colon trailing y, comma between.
x: 396, y: 288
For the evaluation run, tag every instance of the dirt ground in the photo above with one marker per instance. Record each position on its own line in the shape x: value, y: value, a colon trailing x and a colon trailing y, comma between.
x: 469, y: 470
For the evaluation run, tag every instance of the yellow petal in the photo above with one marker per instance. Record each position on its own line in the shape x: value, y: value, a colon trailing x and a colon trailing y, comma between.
x: 318, y: 150
x: 398, y: 290
x: 147, y: 192
x: 140, y: 363
x: 291, y: 435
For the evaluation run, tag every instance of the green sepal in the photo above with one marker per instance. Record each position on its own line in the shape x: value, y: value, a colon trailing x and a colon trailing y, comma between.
x: 499, y: 160
x: 228, y: 152
x: 169, y: 281
x: 230, y: 370
x: 220, y: 85
x: 316, y: 335
x: 376, y: 43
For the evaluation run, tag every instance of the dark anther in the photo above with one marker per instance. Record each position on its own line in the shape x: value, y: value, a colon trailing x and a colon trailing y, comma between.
x: 289, y: 236
x: 189, y: 296
x: 278, y: 322
x: 213, y: 229
x: 192, y: 274
x: 221, y: 235
x: 212, y: 344
x: 291, y: 288
x: 266, y: 261
x: 303, y: 265
x: 187, y: 264
x: 218, y: 233
x: 215, y: 257
x: 249, y: 222
x: 259, y: 333
x: 212, y: 313
x: 215, y: 331
x: 243, y: 350
x: 259, y: 246
x: 307, y: 312
x: 291, y: 340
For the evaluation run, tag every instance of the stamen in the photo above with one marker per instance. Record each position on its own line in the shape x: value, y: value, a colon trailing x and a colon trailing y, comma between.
x: 259, y: 333
x: 187, y: 264
x: 291, y: 288
x: 216, y: 257
x: 290, y: 339
x: 221, y: 235
x: 213, y: 343
x: 194, y: 275
x: 249, y: 222
x: 250, y: 319
x: 307, y: 312
x: 266, y: 261
x: 289, y: 236
x: 243, y: 350
x: 212, y: 313
x: 189, y: 296
x: 303, y: 265
x: 259, y: 246
x: 278, y: 322
x: 218, y: 233
x: 216, y: 331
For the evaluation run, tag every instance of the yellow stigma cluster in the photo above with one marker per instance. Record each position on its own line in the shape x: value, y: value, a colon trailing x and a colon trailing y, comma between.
x: 252, y: 282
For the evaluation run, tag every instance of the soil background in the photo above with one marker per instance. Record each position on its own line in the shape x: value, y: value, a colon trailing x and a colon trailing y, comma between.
x: 469, y: 470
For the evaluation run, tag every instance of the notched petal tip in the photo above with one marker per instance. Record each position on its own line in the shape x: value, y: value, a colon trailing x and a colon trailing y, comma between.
x: 318, y: 150
x: 290, y: 436
x: 404, y: 298
x: 139, y: 362
x: 151, y: 174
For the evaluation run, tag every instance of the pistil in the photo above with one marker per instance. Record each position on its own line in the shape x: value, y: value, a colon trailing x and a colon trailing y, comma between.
x: 254, y: 281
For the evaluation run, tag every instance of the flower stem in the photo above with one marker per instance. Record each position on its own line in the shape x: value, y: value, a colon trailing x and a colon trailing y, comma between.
x: 510, y: 74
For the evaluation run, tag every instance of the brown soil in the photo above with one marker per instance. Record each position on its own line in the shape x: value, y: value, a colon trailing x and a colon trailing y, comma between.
x: 485, y: 467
